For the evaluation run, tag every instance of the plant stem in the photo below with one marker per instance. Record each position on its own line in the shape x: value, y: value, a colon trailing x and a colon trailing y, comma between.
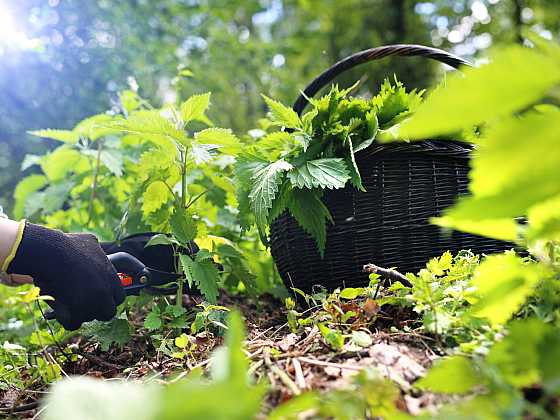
x: 184, y: 178
x: 181, y: 281
x: 94, y: 185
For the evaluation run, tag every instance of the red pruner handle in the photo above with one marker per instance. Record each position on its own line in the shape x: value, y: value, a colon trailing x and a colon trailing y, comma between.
x: 126, y: 280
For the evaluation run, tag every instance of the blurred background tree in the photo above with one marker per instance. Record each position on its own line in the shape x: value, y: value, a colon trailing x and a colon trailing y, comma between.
x: 62, y: 60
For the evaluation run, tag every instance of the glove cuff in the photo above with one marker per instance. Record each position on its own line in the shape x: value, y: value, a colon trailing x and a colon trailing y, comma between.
x: 15, y: 247
x: 38, y: 248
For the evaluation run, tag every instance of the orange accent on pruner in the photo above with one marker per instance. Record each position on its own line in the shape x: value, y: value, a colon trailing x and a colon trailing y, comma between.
x: 126, y: 280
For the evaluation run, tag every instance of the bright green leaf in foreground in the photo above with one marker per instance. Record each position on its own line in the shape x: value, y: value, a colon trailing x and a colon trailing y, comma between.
x: 512, y: 81
x: 517, y: 355
x: 504, y: 282
x: 506, y: 180
x: 454, y: 375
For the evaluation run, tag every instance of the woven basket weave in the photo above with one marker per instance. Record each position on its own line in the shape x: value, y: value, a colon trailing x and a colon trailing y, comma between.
x: 388, y: 225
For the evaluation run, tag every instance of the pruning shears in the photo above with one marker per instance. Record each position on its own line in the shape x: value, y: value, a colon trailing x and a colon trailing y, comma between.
x: 135, y: 276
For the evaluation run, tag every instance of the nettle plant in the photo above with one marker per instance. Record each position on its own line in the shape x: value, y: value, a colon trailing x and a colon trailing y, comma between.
x: 290, y: 169
x: 139, y: 168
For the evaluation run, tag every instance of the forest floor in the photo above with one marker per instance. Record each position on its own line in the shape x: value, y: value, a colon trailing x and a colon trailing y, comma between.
x: 291, y: 362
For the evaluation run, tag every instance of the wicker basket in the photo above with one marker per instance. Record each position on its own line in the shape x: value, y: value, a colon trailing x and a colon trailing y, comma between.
x: 388, y: 225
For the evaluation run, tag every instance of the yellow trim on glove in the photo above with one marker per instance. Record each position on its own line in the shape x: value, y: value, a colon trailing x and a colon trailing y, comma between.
x: 15, y: 246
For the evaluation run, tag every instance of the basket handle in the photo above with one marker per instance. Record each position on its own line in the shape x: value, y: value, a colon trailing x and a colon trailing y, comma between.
x: 403, y: 50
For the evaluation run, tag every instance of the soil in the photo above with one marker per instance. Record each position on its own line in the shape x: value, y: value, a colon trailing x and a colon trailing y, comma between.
x: 292, y: 363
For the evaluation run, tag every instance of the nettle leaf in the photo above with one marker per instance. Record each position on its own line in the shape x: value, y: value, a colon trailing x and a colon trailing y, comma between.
x: 116, y: 331
x: 393, y: 102
x: 186, y: 265
x: 503, y: 283
x: 157, y: 161
x: 65, y: 136
x: 194, y: 108
x: 49, y: 200
x: 203, y: 153
x: 453, y: 375
x: 30, y: 160
x: 153, y: 126
x: 243, y: 170
x: 320, y: 173
x: 311, y: 214
x: 183, y: 226
x: 95, y: 127
x: 160, y: 239
x: 206, y: 276
x: 281, y: 202
x: 274, y: 144
x: 113, y: 160
x: 153, y: 320
x: 155, y: 196
x: 59, y: 163
x: 24, y: 189
x: 282, y: 115
x: 266, y: 182
x: 373, y: 128
x: 355, y: 176
x: 222, y: 138
x: 204, y: 255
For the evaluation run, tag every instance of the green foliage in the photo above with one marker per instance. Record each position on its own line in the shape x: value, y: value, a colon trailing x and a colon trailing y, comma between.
x: 443, y: 376
x: 318, y: 153
x: 507, y: 181
x: 116, y: 331
x: 512, y: 86
x: 194, y: 108
x: 504, y: 282
x: 281, y: 115
x: 266, y: 181
x: 501, y: 191
x: 320, y: 173
x: 202, y: 272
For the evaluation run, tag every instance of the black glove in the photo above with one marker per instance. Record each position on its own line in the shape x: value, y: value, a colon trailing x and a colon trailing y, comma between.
x: 159, y: 257
x: 74, y: 270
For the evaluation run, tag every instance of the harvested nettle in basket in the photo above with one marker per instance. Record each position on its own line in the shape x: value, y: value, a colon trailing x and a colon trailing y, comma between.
x: 335, y: 197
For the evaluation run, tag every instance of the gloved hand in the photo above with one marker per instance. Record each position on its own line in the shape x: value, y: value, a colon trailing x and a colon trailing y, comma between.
x: 74, y: 270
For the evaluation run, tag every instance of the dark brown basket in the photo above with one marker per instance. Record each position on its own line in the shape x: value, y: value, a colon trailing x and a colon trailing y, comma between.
x: 388, y: 225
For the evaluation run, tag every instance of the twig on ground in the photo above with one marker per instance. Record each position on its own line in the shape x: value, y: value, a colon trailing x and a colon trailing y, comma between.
x: 280, y: 374
x: 392, y: 275
x: 300, y: 379
x: 95, y: 359
x: 254, y: 366
x: 316, y: 362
